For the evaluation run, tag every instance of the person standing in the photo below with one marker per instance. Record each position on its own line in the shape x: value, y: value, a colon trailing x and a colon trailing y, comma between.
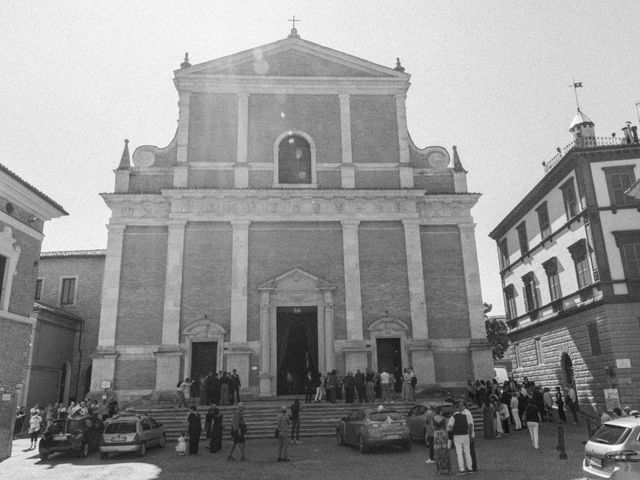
x: 533, y: 419
x: 472, y: 443
x: 35, y: 424
x: 385, y: 386
x: 515, y: 412
x: 295, y: 421
x: 215, y: 444
x: 428, y: 432
x: 369, y: 386
x: 20, y: 416
x: 309, y: 387
x: 406, y: 385
x: 224, y: 388
x: 414, y: 382
x: 488, y: 419
x: 283, y: 432
x: 184, y: 391
x: 194, y: 429
x: 349, y: 387
x: 562, y: 418
x: 208, y: 420
x: 441, y: 442
x: 234, y: 386
x: 238, y: 431
x: 547, y: 399
x: 572, y: 401
x: 332, y: 385
x: 359, y: 381
x: 462, y: 431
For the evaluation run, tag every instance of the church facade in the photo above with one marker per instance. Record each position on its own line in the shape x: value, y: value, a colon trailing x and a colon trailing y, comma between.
x: 290, y: 225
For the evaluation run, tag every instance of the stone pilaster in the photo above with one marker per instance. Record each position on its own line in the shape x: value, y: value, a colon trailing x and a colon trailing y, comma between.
x: 241, y: 176
x: 422, y: 362
x: 265, y: 345
x: 353, y: 298
x: 347, y: 172
x: 329, y: 354
x: 403, y: 133
x: 239, y: 266
x: 415, y: 274
x: 183, y: 126
x: 111, y: 286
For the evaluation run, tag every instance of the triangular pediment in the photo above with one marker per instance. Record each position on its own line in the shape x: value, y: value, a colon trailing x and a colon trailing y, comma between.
x: 296, y: 280
x: 291, y: 58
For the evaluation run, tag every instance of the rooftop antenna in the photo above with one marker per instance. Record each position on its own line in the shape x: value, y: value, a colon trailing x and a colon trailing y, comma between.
x: 576, y: 86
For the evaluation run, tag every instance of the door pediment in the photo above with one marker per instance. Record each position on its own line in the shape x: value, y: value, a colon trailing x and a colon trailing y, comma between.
x: 388, y: 326
x: 294, y: 280
x: 204, y: 329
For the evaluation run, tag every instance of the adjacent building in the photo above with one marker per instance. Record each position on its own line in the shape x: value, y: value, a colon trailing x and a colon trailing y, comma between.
x: 23, y: 211
x: 570, y: 268
x: 290, y: 225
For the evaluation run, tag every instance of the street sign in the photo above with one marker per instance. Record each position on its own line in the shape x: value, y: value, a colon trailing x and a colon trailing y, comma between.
x: 611, y: 398
x: 106, y: 384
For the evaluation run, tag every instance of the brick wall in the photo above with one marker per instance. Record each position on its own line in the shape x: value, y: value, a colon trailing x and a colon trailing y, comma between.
x: 213, y: 127
x: 435, y: 183
x: 149, y: 183
x: 135, y: 374
x: 329, y: 179
x: 374, y: 129
x: 383, y: 272
x: 23, y: 287
x: 271, y: 115
x: 141, y: 302
x: 275, y: 248
x: 260, y: 178
x: 446, y: 295
x: 377, y: 180
x: 14, y: 354
x: 210, y: 179
x: 206, y: 280
x: 452, y: 366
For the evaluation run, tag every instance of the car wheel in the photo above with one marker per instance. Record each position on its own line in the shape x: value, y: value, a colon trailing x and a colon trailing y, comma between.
x: 44, y: 455
x: 84, y: 452
x: 163, y: 441
x: 142, y: 449
x: 362, y: 445
x: 339, y: 438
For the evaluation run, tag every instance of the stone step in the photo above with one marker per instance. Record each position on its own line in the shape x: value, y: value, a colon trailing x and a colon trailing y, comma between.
x: 317, y: 419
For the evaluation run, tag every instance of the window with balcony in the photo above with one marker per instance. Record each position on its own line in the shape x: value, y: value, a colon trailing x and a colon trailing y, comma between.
x: 510, y: 302
x: 580, y: 259
x: 530, y: 294
x: 553, y: 279
x: 620, y: 179
x: 629, y: 245
x: 504, y: 253
x: 569, y: 199
x: 68, y: 291
x: 522, y: 238
x: 594, y: 338
x: 543, y: 220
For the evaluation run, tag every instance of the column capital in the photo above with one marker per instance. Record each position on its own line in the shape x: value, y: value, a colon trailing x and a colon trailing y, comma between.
x: 176, y: 224
x: 243, y: 95
x: 240, y: 223
x: 116, y: 228
x: 350, y: 223
x: 467, y: 226
x: 411, y: 222
x: 344, y: 96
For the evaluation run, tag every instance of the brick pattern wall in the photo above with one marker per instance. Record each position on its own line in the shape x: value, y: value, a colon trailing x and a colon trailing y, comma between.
x: 210, y: 179
x: 445, y: 291
x: 374, y: 129
x: 435, y: 183
x: 452, y: 366
x: 206, y: 280
x: 135, y: 374
x: 619, y: 335
x: 149, y: 183
x: 317, y: 115
x: 383, y: 272
x: 329, y: 179
x: 275, y: 248
x: 260, y: 178
x: 377, y: 180
x: 213, y: 127
x: 23, y: 287
x: 14, y: 354
x: 141, y: 302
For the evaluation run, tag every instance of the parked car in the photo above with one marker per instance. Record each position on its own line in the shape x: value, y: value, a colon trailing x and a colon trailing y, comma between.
x: 369, y: 429
x: 79, y: 435
x: 613, y: 451
x: 416, y: 418
x: 131, y: 433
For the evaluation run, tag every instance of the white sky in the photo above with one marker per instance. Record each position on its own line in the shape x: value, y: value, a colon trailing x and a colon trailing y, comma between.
x: 491, y: 77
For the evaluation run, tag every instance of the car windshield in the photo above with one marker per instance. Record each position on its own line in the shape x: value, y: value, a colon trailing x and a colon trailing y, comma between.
x: 610, y: 434
x: 66, y: 426
x: 121, y: 427
x: 382, y: 416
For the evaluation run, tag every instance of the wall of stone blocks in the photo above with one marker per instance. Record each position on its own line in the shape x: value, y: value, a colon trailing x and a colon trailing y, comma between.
x: 272, y: 115
x: 444, y: 280
x: 260, y: 178
x: 14, y: 354
x: 135, y: 374
x: 142, y: 278
x: 23, y: 287
x: 435, y: 183
x: 377, y: 180
x: 275, y: 248
x: 329, y: 179
x: 374, y: 129
x: 149, y: 183
x: 452, y: 366
x: 213, y: 127
x: 210, y: 179
x: 206, y: 280
x: 383, y: 272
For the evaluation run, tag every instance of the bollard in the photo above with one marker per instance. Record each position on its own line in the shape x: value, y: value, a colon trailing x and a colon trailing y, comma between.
x: 560, y: 447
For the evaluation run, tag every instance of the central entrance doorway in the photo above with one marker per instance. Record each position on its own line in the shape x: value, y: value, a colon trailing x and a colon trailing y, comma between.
x: 203, y: 358
x: 297, y: 347
x: 390, y: 358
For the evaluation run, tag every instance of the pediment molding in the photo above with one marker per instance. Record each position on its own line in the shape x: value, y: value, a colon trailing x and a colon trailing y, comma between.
x: 204, y: 329
x: 296, y: 280
x: 389, y: 326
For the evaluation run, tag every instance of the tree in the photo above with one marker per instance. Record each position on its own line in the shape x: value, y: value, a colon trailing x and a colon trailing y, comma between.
x: 496, y: 333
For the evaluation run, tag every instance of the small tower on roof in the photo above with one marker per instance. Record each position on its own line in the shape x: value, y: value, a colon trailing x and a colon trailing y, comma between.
x: 582, y: 127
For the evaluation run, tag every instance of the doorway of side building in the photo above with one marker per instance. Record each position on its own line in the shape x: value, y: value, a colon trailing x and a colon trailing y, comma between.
x: 567, y: 370
x: 297, y: 347
x: 203, y: 358
x: 389, y: 356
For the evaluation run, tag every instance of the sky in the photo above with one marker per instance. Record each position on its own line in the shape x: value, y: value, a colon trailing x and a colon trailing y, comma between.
x: 492, y: 77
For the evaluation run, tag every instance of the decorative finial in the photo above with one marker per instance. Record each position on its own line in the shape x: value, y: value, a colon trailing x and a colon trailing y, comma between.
x: 457, y: 164
x: 399, y: 67
x: 186, y: 63
x: 294, y: 31
x: 125, y: 160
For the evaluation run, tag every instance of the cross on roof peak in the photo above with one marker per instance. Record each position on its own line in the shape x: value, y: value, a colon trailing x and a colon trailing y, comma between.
x: 294, y: 32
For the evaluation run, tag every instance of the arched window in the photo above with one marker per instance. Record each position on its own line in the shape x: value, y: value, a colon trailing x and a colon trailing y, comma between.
x: 294, y: 160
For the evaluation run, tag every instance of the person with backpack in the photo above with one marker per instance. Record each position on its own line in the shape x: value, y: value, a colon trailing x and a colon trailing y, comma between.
x: 460, y: 426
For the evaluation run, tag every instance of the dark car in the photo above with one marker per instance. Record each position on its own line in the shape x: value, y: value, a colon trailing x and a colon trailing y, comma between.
x: 416, y: 418
x: 79, y: 435
x: 367, y: 429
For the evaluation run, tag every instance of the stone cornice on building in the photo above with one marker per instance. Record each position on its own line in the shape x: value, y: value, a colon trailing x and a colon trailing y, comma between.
x: 290, y: 205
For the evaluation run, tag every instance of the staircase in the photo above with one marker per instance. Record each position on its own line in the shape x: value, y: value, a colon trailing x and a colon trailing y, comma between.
x: 317, y: 419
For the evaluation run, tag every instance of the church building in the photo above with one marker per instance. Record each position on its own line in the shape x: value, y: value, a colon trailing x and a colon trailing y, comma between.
x: 290, y: 225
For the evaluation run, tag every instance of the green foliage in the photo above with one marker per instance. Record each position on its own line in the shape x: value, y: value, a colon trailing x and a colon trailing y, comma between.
x: 497, y: 336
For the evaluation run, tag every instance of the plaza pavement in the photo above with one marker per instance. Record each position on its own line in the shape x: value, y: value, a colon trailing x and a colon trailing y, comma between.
x: 510, y: 458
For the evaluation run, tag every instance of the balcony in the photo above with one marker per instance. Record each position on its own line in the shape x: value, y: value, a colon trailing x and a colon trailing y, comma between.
x: 582, y: 142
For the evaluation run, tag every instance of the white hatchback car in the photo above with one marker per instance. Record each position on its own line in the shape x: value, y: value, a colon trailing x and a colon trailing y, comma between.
x: 131, y: 433
x: 613, y: 451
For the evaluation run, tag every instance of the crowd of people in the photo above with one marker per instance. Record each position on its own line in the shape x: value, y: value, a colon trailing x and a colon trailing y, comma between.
x: 222, y: 388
